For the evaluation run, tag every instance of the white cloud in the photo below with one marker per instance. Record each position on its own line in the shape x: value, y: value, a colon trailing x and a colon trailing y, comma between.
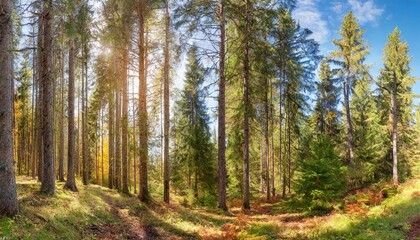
x: 338, y: 8
x: 309, y: 16
x: 365, y: 11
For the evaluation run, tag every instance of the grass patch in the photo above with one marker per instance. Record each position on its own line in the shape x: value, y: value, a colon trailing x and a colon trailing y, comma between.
x: 267, y: 231
x: 96, y: 212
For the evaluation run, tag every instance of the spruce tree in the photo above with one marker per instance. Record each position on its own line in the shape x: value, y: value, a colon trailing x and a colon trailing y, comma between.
x: 194, y: 154
x: 322, y: 176
x: 350, y: 56
x: 326, y: 114
x: 396, y: 82
x: 368, y: 135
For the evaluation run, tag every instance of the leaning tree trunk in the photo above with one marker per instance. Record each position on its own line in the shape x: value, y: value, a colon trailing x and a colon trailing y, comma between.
x: 71, y: 155
x: 48, y: 179
x: 8, y: 195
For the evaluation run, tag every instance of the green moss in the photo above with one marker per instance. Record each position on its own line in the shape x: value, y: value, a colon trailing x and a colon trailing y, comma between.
x: 5, y: 226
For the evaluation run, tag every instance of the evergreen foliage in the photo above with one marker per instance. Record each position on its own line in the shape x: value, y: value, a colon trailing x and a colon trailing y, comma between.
x: 322, y: 176
x: 194, y: 165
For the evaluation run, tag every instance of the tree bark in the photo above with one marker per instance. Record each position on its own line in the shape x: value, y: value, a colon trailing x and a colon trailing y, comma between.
x: 394, y: 134
x: 8, y: 196
x: 266, y: 143
x: 117, y: 131
x: 61, y: 149
x: 143, y: 124
x: 39, y: 109
x: 71, y: 154
x: 125, y: 123
x: 222, y: 112
x: 280, y: 131
x: 350, y: 141
x: 85, y: 141
x: 48, y: 179
x: 246, y: 193
x: 111, y: 140
x: 166, y: 167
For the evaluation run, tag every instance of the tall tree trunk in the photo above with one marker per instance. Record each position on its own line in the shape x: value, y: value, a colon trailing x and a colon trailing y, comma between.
x: 280, y: 131
x: 61, y: 149
x: 166, y: 108
x: 97, y: 150
x: 39, y: 69
x: 48, y: 179
x: 111, y: 140
x: 246, y: 194
x: 33, y: 123
x: 8, y: 195
x: 134, y: 141
x: 273, y: 188
x: 125, y: 123
x: 221, y: 157
x: 143, y: 124
x: 262, y: 165
x: 102, y: 147
x: 350, y: 142
x: 85, y: 141
x: 117, y: 131
x: 267, y: 143
x: 394, y: 134
x: 71, y: 151
x: 289, y: 140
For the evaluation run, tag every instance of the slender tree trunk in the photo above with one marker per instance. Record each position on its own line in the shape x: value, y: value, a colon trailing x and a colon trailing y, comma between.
x: 196, y: 183
x: 135, y: 143
x: 117, y: 130
x: 48, y: 180
x: 33, y: 123
x: 85, y: 141
x: 125, y: 122
x: 61, y: 150
x: 272, y: 142
x: 350, y: 142
x: 143, y: 124
x: 166, y: 108
x: 39, y: 70
x: 394, y: 134
x: 289, y: 140
x: 102, y: 148
x: 280, y: 132
x: 222, y: 173
x: 97, y: 150
x: 262, y: 165
x: 8, y: 195
x: 246, y: 196
x: 267, y: 143
x: 111, y: 140
x: 71, y: 151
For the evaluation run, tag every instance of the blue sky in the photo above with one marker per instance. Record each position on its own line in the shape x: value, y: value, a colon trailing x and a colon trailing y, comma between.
x: 377, y: 17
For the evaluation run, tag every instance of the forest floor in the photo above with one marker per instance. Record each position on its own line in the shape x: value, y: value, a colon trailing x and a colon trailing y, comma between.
x: 96, y: 212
